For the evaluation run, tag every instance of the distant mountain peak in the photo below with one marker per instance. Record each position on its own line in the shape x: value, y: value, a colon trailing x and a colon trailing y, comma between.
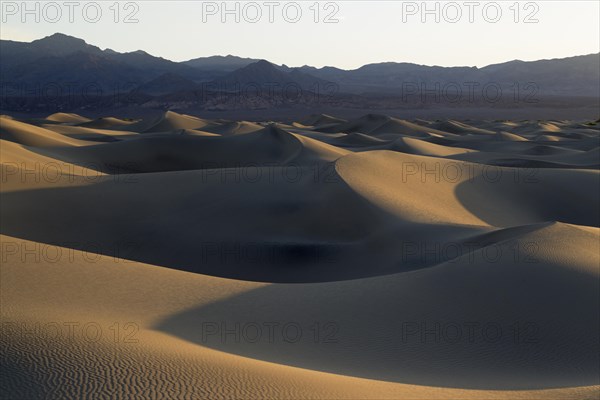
x: 261, y: 64
x: 140, y: 52
x: 61, y: 38
x: 226, y: 63
x: 60, y: 44
x: 263, y: 72
x: 262, y: 67
x: 60, y: 35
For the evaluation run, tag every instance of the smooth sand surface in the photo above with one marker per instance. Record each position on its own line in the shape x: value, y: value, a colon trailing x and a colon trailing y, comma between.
x: 186, y: 258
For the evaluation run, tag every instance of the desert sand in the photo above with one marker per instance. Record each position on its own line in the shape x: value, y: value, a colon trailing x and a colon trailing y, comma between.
x: 184, y: 258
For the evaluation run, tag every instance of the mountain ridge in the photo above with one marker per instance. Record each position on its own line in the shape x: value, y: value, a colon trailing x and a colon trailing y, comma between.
x: 61, y: 60
x: 216, y: 58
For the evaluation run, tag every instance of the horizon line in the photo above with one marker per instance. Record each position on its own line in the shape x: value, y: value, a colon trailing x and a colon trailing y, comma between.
x: 302, y: 66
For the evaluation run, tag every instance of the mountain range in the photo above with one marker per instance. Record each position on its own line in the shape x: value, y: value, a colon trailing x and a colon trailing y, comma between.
x: 70, y: 65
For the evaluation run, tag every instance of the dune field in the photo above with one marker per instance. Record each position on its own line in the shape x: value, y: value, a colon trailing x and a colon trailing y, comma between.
x: 373, y: 258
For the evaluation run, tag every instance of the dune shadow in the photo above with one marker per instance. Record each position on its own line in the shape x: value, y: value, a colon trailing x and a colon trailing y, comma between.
x: 519, y: 196
x: 269, y: 232
x: 402, y: 330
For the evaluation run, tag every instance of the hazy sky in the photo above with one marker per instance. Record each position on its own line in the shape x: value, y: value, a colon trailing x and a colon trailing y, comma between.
x: 358, y: 32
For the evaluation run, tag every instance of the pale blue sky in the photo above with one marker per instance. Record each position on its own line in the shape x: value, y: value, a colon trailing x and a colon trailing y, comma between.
x: 366, y: 31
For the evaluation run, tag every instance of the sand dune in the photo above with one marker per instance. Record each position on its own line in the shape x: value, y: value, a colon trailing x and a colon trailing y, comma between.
x: 233, y: 128
x: 176, y: 152
x: 319, y: 120
x: 415, y: 146
x: 90, y: 134
x: 106, y: 123
x: 376, y: 125
x: 163, y: 332
x: 66, y: 118
x: 374, y: 258
x: 169, y: 121
x: 460, y: 128
x: 31, y: 135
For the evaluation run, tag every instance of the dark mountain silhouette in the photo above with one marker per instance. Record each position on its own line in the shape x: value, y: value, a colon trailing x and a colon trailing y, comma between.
x: 71, y: 64
x: 58, y: 45
x: 154, y: 66
x: 266, y: 75
x: 573, y: 76
x: 73, y: 73
x: 227, y: 63
x: 61, y: 59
